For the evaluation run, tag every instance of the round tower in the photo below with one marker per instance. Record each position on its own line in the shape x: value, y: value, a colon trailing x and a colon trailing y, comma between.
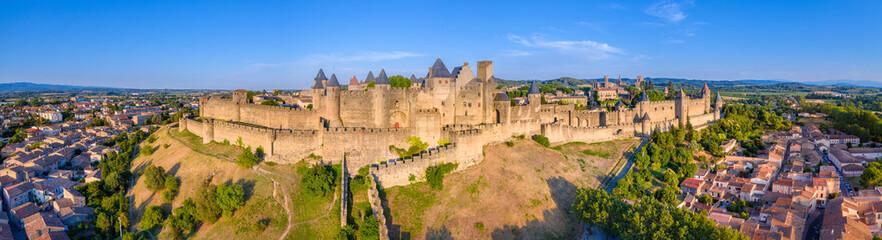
x: 332, y: 101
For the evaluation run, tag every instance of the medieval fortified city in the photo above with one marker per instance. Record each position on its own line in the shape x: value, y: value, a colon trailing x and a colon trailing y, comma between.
x: 365, y: 120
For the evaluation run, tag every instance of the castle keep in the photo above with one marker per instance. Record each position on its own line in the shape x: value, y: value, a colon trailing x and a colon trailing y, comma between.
x: 463, y: 105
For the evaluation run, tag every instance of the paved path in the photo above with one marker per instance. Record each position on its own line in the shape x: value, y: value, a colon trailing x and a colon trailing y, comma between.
x: 625, y: 169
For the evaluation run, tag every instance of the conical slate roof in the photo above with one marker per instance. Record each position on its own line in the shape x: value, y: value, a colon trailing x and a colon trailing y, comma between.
x: 501, y: 97
x: 645, y: 116
x: 620, y: 104
x: 534, y: 89
x: 413, y: 78
x: 718, y: 99
x: 353, y: 81
x: 333, y: 82
x: 370, y: 77
x: 681, y: 94
x: 382, y: 78
x: 439, y: 70
x: 644, y: 98
x: 321, y: 75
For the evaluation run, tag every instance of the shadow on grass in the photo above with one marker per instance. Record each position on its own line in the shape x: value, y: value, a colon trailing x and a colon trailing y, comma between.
x: 562, y: 193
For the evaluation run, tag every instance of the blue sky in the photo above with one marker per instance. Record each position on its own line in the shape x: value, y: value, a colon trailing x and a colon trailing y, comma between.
x: 282, y: 44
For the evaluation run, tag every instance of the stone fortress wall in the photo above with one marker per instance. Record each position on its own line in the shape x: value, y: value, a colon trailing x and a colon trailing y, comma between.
x: 458, y: 106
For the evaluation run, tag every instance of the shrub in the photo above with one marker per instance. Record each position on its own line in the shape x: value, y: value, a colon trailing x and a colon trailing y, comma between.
x: 151, y: 139
x: 229, y: 198
x: 370, y: 228
x: 435, y: 174
x: 411, y: 178
x: 152, y: 217
x: 319, y: 180
x: 205, y: 206
x: 246, y: 159
x: 479, y: 226
x: 165, y: 145
x: 147, y: 150
x: 509, y: 143
x: 443, y: 142
x: 541, y: 140
x: 168, y: 196
x: 154, y: 178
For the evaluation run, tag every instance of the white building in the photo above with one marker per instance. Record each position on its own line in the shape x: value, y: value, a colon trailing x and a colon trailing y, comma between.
x: 52, y: 116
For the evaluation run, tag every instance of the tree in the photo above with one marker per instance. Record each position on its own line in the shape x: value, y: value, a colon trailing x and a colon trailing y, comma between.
x: 319, y: 180
x: 706, y: 199
x: 152, y: 217
x: 154, y: 178
x: 399, y: 81
x: 229, y: 198
x: 205, y: 204
x: 435, y: 174
x: 246, y: 159
x: 269, y: 103
x: 370, y: 228
x: 872, y: 175
x: 541, y: 140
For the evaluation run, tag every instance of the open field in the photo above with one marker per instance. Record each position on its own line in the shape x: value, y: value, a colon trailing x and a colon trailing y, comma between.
x: 523, y: 191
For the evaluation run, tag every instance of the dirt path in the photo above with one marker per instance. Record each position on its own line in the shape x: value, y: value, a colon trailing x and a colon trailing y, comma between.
x: 264, y: 173
x: 286, y: 205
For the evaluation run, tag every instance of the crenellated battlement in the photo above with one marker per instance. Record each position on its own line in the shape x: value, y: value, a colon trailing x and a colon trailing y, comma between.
x: 364, y: 130
x: 402, y: 163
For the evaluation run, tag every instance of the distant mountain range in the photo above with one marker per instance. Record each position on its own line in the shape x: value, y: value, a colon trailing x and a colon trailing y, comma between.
x: 36, y: 87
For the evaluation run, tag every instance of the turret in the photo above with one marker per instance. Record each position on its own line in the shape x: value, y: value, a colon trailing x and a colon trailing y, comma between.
x: 644, y: 98
x: 331, y: 101
x: 370, y: 77
x: 319, y: 80
x: 718, y: 106
x: 705, y: 91
x: 646, y: 124
x: 382, y: 80
x: 534, y: 95
x: 353, y: 81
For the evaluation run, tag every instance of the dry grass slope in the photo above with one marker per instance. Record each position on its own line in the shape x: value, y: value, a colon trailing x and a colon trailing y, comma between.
x: 192, y: 168
x: 523, y: 191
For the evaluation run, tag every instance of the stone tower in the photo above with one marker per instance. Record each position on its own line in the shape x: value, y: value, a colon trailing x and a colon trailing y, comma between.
x: 331, y: 101
x: 534, y: 97
x: 501, y: 109
x: 381, y: 95
x: 718, y: 106
x: 240, y: 96
x: 485, y: 74
x: 681, y: 104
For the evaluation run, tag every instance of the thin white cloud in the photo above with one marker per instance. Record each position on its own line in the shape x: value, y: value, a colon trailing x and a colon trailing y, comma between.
x: 516, y: 53
x: 671, y: 11
x: 597, y: 27
x: 588, y: 49
x: 313, y: 60
x: 613, y: 6
x: 362, y: 57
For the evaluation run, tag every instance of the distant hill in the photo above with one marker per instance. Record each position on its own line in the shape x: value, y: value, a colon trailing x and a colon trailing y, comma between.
x: 662, y: 81
x: 34, y: 87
